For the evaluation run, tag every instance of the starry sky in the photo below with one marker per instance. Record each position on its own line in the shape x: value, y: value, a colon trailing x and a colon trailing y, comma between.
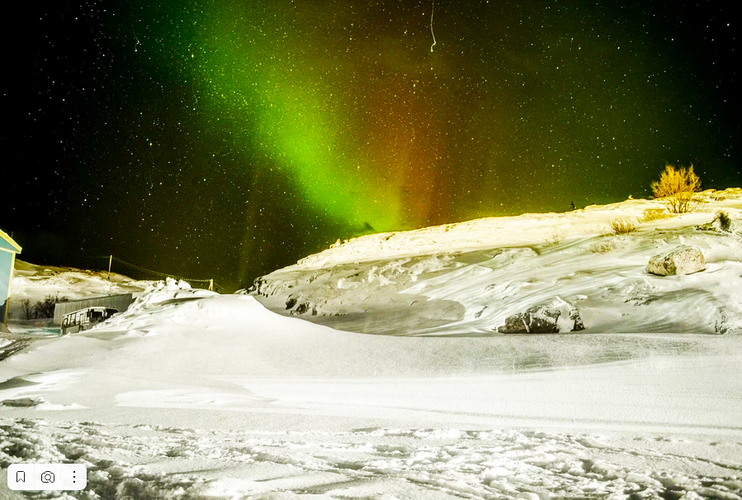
x: 226, y: 139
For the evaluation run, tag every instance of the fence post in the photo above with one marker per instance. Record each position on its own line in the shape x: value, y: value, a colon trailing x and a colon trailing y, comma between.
x: 110, y: 261
x: 211, y: 284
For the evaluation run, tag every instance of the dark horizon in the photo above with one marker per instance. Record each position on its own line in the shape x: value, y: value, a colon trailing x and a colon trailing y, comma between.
x: 225, y: 140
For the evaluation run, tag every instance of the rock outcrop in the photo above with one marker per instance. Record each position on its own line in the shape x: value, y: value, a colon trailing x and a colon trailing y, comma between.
x: 682, y: 260
x: 556, y: 316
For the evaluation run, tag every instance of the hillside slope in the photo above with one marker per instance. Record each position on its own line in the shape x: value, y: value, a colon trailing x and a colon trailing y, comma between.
x: 469, y: 278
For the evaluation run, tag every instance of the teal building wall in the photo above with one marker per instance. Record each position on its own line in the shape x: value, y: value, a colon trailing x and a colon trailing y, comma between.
x: 8, y: 249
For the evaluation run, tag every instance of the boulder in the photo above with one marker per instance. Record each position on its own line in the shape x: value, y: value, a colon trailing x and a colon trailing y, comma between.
x: 556, y: 316
x: 682, y: 260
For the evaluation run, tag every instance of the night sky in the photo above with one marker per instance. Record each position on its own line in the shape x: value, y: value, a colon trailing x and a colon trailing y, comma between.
x: 228, y: 139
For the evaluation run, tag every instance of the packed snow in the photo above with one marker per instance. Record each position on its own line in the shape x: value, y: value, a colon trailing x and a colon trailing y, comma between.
x: 192, y: 394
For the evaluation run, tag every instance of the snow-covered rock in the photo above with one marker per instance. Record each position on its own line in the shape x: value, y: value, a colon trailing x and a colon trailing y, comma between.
x: 553, y: 317
x: 682, y: 260
x: 724, y: 224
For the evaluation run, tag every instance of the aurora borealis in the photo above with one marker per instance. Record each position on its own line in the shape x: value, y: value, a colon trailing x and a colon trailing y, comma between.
x: 226, y: 139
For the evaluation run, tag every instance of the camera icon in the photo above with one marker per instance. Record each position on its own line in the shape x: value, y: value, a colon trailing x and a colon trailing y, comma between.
x: 47, y: 477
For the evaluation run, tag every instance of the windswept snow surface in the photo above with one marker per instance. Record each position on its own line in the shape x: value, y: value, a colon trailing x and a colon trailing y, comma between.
x: 468, y: 278
x: 191, y: 394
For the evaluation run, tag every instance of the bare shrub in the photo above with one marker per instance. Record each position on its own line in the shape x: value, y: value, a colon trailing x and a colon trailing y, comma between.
x: 725, y: 223
x: 555, y: 238
x: 676, y: 187
x: 45, y: 308
x: 26, y: 309
x: 601, y: 247
x: 651, y: 214
x: 622, y: 226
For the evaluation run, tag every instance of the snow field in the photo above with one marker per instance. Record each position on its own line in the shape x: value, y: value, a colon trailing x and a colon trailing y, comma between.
x: 212, y: 371
x: 190, y: 394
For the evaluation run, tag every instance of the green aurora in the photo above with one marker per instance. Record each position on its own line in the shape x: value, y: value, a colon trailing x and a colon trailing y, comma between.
x: 252, y: 133
x: 348, y: 101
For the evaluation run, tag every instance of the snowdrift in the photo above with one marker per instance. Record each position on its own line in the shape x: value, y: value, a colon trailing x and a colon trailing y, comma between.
x: 193, y: 349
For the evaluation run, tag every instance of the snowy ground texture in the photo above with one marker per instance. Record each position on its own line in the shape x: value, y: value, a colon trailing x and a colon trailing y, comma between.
x: 143, y: 461
x: 192, y: 394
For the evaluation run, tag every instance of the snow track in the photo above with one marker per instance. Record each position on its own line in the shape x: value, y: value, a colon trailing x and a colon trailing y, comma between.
x: 170, y: 462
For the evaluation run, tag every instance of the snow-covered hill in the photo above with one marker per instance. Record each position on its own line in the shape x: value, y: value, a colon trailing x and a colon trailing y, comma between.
x: 34, y: 283
x: 469, y: 278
